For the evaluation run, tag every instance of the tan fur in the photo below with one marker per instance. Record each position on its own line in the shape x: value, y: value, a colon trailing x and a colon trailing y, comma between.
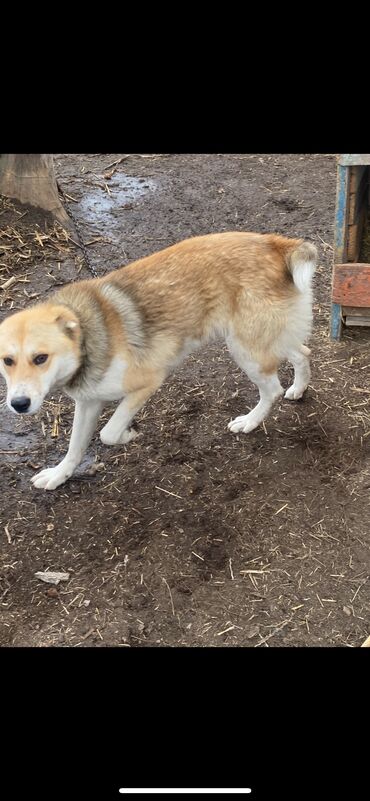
x: 191, y: 287
x: 123, y: 333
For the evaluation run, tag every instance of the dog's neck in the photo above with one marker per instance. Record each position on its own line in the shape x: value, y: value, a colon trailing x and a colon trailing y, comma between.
x: 78, y: 379
x: 94, y: 338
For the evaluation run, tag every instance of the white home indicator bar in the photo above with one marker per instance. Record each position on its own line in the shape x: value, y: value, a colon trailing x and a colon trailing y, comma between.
x: 185, y: 790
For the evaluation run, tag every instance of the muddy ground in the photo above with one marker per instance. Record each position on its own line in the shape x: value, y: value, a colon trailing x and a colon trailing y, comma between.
x: 190, y: 535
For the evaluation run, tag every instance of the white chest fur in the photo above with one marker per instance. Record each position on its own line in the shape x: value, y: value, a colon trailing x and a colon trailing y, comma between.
x: 109, y: 388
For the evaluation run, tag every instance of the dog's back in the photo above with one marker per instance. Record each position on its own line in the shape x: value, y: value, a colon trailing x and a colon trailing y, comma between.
x: 223, y: 283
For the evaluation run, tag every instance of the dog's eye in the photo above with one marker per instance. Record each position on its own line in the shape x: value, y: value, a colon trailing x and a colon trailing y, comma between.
x: 40, y: 359
x: 8, y: 361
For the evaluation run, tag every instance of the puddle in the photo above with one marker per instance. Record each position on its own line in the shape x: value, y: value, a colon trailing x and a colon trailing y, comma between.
x: 20, y: 443
x: 18, y: 446
x: 19, y: 438
x: 99, y: 206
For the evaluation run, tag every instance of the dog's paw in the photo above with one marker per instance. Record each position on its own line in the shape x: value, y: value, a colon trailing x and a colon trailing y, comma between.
x: 244, y: 424
x: 295, y: 393
x: 51, y: 477
x: 111, y: 438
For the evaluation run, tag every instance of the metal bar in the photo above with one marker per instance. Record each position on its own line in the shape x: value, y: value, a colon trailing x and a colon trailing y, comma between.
x: 336, y: 321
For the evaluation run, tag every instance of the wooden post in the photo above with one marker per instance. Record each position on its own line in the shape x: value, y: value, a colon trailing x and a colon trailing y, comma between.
x: 30, y: 178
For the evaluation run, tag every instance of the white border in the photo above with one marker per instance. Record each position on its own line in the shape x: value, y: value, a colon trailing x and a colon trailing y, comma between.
x: 185, y: 790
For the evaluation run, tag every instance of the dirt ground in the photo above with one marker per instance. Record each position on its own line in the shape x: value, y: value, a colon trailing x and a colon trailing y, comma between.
x: 190, y: 535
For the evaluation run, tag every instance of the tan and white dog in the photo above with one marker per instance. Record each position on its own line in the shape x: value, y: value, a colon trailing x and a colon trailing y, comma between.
x: 116, y: 338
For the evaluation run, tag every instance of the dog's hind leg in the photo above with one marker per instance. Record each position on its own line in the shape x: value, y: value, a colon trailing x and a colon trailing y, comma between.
x: 84, y: 424
x: 263, y: 373
x: 302, y: 373
x: 117, y: 431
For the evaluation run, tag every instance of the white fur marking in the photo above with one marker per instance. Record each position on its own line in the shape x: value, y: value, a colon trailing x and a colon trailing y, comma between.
x: 302, y: 275
x: 110, y: 388
x: 302, y: 374
x: 269, y: 388
x: 84, y: 424
x: 115, y: 437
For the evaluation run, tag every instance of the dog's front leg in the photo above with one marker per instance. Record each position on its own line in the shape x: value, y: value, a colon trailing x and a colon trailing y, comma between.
x: 84, y: 423
x: 117, y: 431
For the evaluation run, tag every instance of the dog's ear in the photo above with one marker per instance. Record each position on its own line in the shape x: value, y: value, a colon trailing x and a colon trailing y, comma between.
x: 67, y: 325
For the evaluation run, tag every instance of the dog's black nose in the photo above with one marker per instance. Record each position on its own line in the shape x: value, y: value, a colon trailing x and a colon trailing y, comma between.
x: 21, y: 404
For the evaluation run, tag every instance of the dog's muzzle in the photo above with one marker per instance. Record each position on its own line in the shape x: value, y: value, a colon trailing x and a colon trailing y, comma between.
x: 21, y: 404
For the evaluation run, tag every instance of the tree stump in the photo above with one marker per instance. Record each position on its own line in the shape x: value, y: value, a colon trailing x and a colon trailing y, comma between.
x: 30, y: 178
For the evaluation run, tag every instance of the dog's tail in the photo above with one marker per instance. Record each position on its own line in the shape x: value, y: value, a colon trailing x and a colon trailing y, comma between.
x: 301, y: 263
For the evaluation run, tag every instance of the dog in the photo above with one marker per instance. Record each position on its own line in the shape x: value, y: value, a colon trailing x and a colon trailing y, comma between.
x: 117, y: 338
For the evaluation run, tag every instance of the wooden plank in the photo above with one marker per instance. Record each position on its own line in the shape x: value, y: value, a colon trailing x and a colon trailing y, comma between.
x: 354, y: 235
x: 348, y: 159
x: 341, y: 215
x: 356, y: 176
x: 358, y: 188
x: 357, y: 210
x: 355, y: 311
x: 351, y: 285
x: 354, y: 320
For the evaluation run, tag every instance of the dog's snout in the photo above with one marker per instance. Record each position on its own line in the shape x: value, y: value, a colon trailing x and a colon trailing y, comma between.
x: 21, y: 404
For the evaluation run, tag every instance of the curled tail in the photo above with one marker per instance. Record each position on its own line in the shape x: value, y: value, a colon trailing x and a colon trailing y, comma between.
x: 301, y: 264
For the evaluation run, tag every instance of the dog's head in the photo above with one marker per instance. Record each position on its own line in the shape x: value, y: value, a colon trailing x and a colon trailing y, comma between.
x: 39, y: 349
